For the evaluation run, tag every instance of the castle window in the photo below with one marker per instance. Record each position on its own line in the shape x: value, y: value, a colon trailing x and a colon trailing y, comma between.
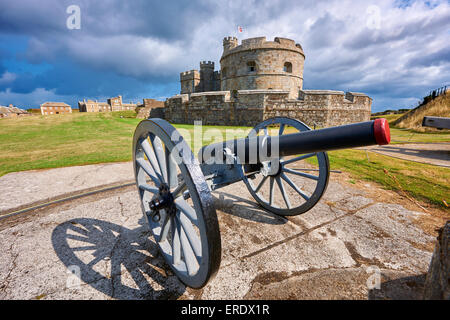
x: 251, y: 66
x: 287, y: 67
x: 224, y: 72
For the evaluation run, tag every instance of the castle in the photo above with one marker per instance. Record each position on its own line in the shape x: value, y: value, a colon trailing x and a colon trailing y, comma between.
x: 260, y: 79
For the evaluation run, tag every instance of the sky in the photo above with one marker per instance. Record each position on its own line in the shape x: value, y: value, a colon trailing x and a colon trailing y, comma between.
x: 394, y: 51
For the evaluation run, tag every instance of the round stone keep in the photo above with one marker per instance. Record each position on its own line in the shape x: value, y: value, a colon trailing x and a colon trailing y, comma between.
x: 258, y: 64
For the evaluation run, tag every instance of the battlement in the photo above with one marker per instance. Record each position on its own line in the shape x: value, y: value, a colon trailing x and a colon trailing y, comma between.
x: 189, y: 75
x: 250, y: 42
x: 207, y: 64
x: 230, y: 39
x: 229, y: 43
x: 262, y: 43
x: 284, y: 41
x: 341, y: 96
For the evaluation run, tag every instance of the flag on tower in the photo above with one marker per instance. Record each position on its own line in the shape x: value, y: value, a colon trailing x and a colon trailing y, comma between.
x: 239, y: 29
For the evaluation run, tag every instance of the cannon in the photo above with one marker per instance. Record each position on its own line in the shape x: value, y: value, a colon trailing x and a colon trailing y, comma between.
x: 175, y: 187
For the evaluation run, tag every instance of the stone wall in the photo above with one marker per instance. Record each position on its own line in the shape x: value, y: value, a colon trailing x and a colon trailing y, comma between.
x: 150, y: 108
x: 250, y: 107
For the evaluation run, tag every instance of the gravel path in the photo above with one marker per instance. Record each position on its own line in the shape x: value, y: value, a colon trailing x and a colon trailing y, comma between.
x: 431, y: 153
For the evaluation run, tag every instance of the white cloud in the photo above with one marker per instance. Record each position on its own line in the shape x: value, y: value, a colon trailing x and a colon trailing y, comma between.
x: 32, y: 99
x: 401, y: 60
x: 7, y: 78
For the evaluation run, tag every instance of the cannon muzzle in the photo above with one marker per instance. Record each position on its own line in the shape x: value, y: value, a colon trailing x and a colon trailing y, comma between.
x: 255, y: 149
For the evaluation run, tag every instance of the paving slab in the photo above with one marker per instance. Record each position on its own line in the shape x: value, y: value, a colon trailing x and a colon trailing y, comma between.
x: 99, y: 247
x: 19, y: 189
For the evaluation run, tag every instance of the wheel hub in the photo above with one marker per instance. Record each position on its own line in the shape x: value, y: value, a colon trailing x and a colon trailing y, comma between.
x: 164, y: 200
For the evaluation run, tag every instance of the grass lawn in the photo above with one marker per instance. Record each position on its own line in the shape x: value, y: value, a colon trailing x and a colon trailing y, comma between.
x: 421, y: 181
x: 52, y: 141
x: 40, y: 142
x: 64, y: 140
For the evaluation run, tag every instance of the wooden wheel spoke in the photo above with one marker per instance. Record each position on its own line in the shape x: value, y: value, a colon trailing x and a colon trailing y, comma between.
x: 282, y: 126
x: 160, y: 156
x: 165, y: 227
x: 301, y: 174
x: 192, y: 236
x: 172, y: 174
x: 150, y: 153
x: 294, y: 186
x: 149, y: 188
x: 184, y: 207
x: 179, y: 190
x: 272, y: 189
x: 190, y: 259
x: 302, y: 157
x: 261, y: 184
x: 176, y: 245
x: 149, y: 171
x: 283, y: 192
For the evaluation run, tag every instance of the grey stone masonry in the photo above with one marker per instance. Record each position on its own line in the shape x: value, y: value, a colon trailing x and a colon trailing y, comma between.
x: 249, y: 107
x: 260, y: 79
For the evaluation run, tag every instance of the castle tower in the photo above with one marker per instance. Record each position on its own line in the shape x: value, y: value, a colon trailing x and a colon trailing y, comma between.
x: 258, y: 64
x: 190, y: 81
x: 229, y: 43
x: 206, y: 76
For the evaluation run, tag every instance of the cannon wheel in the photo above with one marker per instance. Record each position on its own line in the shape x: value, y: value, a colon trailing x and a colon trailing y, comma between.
x: 280, y: 179
x: 187, y: 233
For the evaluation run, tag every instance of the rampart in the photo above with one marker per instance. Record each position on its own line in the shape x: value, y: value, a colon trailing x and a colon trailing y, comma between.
x: 322, y: 108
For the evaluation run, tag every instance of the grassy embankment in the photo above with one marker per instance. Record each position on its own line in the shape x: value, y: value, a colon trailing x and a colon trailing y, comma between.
x: 439, y: 107
x: 41, y: 142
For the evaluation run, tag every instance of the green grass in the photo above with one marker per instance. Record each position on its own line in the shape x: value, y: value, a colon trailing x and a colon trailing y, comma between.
x: 411, y: 136
x: 422, y: 181
x: 64, y: 140
x: 389, y: 117
x: 41, y: 142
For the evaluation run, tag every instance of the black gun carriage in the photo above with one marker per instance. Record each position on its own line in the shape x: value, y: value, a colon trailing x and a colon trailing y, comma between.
x: 175, y: 187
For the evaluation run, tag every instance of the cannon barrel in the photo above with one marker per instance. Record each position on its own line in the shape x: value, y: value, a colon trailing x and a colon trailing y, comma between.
x: 248, y: 150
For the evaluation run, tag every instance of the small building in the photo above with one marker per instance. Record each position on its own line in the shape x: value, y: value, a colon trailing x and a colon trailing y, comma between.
x: 93, y: 106
x: 112, y: 104
x: 12, y: 112
x: 55, y: 108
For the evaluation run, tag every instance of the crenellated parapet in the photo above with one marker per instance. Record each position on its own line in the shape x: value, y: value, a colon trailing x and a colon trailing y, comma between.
x: 207, y: 64
x: 261, y: 43
x: 189, y: 75
x: 229, y: 43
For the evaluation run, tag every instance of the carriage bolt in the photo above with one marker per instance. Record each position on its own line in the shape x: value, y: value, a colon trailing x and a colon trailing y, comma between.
x: 186, y: 195
x: 155, y: 216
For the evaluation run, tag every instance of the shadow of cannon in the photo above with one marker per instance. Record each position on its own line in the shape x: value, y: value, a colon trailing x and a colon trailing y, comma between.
x: 119, y: 262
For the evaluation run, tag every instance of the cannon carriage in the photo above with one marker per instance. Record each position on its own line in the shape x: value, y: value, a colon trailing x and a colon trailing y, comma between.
x: 175, y: 187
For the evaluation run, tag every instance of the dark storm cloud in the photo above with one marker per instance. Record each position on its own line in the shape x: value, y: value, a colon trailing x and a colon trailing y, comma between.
x: 436, y: 58
x: 165, y: 19
x: 140, y: 46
